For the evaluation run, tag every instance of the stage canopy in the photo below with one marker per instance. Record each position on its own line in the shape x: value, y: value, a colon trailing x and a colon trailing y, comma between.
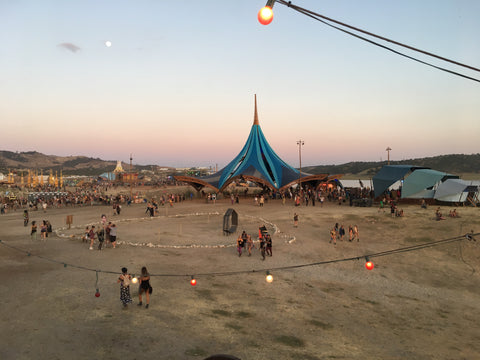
x: 256, y: 162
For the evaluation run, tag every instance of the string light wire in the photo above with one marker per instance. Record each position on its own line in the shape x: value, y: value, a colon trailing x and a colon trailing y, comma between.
x: 469, y: 236
x: 319, y: 17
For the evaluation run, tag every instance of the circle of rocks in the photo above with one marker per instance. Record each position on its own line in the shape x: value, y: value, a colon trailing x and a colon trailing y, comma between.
x: 287, y: 237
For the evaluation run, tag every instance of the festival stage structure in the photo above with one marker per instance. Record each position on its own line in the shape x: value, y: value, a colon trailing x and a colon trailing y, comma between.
x: 256, y: 162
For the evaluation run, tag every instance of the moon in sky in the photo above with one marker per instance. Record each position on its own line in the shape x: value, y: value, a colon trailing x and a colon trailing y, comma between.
x: 108, y: 43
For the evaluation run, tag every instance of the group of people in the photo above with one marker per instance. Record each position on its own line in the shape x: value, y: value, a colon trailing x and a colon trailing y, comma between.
x: 265, y: 243
x: 245, y: 241
x: 394, y: 210
x: 144, y: 287
x: 439, y: 216
x: 107, y: 232
x: 453, y: 213
x: 338, y: 233
x: 45, y: 228
x: 152, y: 208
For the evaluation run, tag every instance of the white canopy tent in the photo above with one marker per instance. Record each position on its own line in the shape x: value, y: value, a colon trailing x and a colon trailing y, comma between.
x: 456, y: 190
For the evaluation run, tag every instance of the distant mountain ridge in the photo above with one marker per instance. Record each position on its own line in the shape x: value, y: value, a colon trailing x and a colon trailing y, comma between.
x: 69, y: 165
x: 453, y: 164
x: 83, y: 165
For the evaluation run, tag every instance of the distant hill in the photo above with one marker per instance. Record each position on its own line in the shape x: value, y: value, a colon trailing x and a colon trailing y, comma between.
x: 81, y: 165
x: 70, y: 165
x: 454, y: 164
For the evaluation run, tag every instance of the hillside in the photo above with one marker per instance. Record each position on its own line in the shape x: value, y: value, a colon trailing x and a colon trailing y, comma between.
x: 453, y: 164
x: 82, y: 165
x: 69, y: 165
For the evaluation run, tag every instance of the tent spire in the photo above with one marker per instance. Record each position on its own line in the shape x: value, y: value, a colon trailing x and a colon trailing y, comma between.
x: 255, y: 116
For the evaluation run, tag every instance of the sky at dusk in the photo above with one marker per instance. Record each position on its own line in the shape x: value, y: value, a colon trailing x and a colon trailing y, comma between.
x: 176, y: 87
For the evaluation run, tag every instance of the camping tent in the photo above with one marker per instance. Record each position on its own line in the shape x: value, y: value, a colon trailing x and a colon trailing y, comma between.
x: 388, y: 175
x: 456, y: 190
x: 421, y: 183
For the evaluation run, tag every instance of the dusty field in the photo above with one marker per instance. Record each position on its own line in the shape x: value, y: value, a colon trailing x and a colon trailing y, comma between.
x: 416, y: 305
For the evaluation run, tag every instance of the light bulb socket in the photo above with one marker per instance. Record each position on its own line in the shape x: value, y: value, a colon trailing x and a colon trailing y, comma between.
x: 270, y: 3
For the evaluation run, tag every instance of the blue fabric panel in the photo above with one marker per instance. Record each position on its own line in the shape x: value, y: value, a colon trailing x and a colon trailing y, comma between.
x: 419, y: 180
x: 387, y: 176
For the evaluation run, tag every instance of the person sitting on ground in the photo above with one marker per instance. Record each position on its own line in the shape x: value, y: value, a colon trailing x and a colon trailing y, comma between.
x: 438, y: 214
x: 453, y: 213
x: 423, y: 204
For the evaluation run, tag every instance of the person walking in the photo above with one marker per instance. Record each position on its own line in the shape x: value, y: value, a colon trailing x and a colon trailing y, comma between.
x: 43, y: 230
x: 145, y: 287
x: 85, y: 235
x: 239, y: 245
x: 262, y: 247
x: 113, y: 235
x: 333, y: 236
x: 295, y: 220
x: 268, y: 245
x: 341, y: 232
x: 250, y: 245
x: 107, y: 233
x: 91, y: 236
x: 125, y: 279
x: 355, y: 233
x: 100, y: 237
x: 336, y: 228
x: 350, y: 233
x: 33, y: 232
x: 26, y: 219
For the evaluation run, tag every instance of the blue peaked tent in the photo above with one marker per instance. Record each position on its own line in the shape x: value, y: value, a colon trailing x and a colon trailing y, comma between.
x: 420, y: 183
x: 388, y: 175
x: 256, y: 162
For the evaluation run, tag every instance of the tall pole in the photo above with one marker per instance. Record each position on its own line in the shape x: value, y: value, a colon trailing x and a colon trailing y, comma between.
x: 300, y: 143
x: 388, y: 154
x: 131, y: 179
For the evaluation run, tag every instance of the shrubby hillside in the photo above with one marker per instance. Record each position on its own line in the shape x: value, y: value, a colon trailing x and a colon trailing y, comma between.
x: 82, y: 165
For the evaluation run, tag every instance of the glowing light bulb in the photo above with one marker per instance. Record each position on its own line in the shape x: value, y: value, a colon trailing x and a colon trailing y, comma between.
x: 265, y: 15
x: 193, y: 281
x: 108, y: 43
x: 269, y: 277
x: 135, y: 280
x: 369, y: 265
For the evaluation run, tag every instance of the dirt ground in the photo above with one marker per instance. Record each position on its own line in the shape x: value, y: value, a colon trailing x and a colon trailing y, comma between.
x: 421, y: 304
